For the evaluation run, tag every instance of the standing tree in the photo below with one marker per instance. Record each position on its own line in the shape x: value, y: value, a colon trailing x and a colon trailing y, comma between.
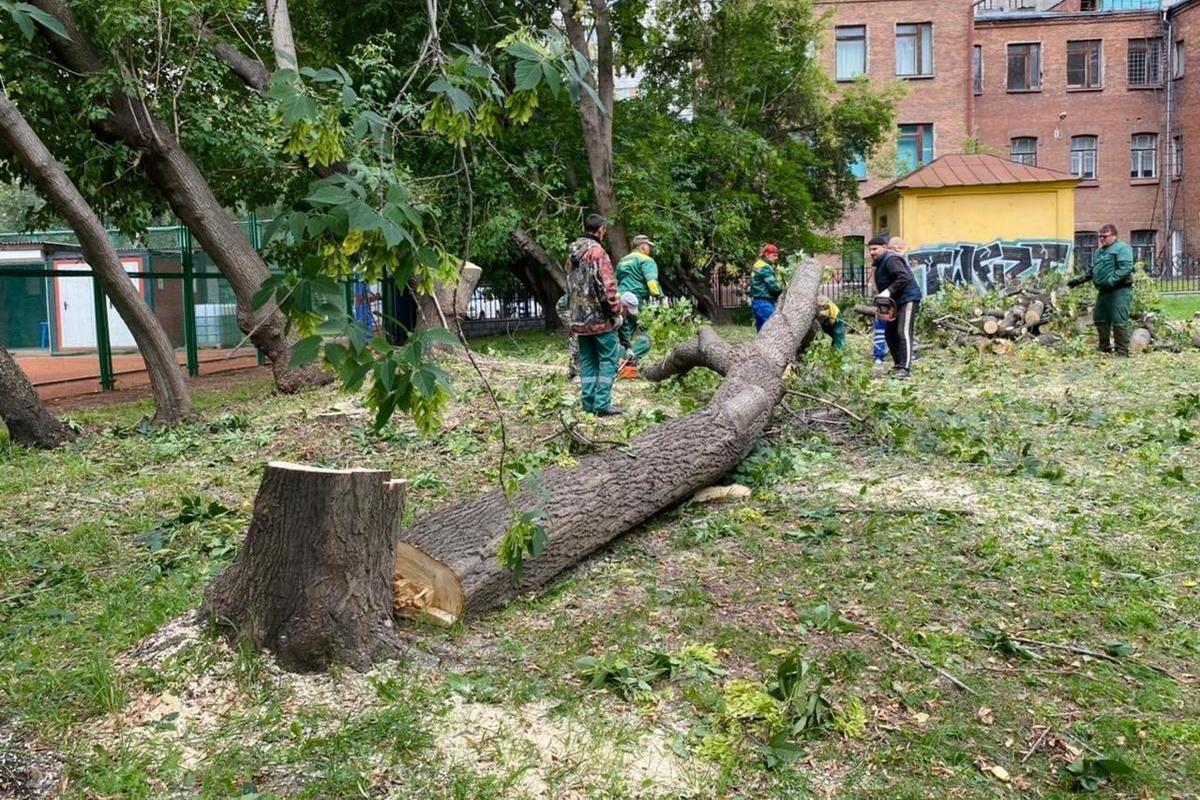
x: 28, y: 421
x: 173, y: 403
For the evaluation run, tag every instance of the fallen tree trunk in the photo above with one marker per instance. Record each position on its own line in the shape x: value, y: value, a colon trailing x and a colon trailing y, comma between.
x: 313, y: 581
x: 28, y: 421
x: 447, y: 304
x: 450, y: 557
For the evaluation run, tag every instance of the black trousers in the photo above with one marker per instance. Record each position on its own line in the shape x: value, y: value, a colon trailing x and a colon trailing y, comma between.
x: 899, y: 333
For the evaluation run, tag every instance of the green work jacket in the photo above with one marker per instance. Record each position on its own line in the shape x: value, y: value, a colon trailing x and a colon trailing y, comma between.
x: 763, y: 283
x: 634, y: 274
x: 1112, y: 266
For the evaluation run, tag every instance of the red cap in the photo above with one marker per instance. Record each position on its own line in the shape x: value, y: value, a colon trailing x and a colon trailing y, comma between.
x: 769, y: 250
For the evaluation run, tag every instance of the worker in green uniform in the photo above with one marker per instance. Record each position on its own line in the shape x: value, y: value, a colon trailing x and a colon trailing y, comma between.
x: 764, y: 286
x: 637, y: 274
x: 1112, y: 275
x: 830, y: 318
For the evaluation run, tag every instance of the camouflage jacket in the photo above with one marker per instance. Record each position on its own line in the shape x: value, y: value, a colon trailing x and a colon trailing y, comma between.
x: 592, y: 289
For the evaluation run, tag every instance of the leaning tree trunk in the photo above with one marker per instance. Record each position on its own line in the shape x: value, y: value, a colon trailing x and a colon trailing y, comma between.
x: 172, y: 171
x: 281, y: 34
x: 448, y: 559
x: 313, y: 582
x: 28, y: 421
x: 172, y: 401
x: 541, y: 274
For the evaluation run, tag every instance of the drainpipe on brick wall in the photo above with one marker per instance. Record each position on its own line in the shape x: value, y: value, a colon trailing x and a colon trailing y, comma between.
x: 1168, y: 180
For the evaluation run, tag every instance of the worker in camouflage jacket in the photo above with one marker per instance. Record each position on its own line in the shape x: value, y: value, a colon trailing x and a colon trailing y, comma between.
x: 1112, y: 275
x: 595, y: 314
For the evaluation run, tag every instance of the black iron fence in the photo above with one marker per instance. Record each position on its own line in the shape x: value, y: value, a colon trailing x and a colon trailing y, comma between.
x: 1177, y: 275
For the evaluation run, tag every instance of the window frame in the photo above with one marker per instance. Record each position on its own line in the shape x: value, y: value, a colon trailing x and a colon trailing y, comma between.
x: 1153, y: 46
x: 1143, y: 252
x: 1178, y: 58
x: 1033, y: 66
x: 1095, y: 153
x: 1138, y: 156
x: 837, y: 41
x: 918, y: 48
x: 920, y: 131
x: 1177, y: 157
x: 977, y: 68
x: 1088, y: 249
x: 1093, y: 60
x: 1019, y: 157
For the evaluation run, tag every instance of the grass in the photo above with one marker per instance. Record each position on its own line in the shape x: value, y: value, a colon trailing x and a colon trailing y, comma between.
x: 1180, y: 306
x: 1036, y: 497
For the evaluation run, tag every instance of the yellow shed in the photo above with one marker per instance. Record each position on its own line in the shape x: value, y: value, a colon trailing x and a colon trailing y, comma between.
x: 979, y: 219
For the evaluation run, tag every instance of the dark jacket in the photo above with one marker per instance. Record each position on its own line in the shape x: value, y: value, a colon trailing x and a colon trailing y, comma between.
x: 893, y: 273
x: 592, y: 289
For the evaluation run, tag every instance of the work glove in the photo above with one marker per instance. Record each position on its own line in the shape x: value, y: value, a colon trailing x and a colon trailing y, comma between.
x: 1080, y: 281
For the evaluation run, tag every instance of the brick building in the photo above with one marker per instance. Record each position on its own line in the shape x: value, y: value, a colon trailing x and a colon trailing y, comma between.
x: 1098, y: 88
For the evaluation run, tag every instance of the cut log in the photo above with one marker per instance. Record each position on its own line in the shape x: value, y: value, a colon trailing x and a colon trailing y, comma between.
x: 998, y: 313
x: 313, y: 582
x: 448, y: 558
x: 448, y: 303
x: 989, y: 325
x: 1140, y: 341
x: 1196, y: 340
x: 864, y: 311
x: 980, y: 343
x: 1034, y: 311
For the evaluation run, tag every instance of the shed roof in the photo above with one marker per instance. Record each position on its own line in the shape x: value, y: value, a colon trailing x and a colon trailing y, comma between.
x: 972, y: 170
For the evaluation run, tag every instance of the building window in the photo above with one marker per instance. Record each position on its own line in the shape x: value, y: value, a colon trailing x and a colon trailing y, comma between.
x: 858, y: 168
x: 1083, y: 157
x: 1143, y: 156
x: 1024, y: 67
x: 914, y: 50
x: 853, y: 258
x: 1024, y: 150
x: 1088, y: 5
x: 851, y: 51
x: 1143, y: 248
x: 1176, y: 249
x: 1145, y: 56
x: 1083, y: 64
x: 1086, y: 244
x: 977, y: 68
x: 914, y: 148
x: 1178, y: 56
x: 1177, y: 157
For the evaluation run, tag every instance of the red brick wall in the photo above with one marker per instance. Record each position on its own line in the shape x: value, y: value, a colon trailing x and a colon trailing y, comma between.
x: 1186, y: 213
x: 1113, y: 113
x: 943, y: 100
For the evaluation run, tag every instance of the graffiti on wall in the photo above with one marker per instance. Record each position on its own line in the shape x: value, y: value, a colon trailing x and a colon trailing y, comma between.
x: 987, y: 266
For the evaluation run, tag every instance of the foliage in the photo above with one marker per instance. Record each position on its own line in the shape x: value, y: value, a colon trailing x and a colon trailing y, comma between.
x: 669, y: 325
x: 628, y: 679
x: 1086, y: 774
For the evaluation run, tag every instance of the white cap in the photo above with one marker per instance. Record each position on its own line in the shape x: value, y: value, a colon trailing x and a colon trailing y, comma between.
x: 630, y: 301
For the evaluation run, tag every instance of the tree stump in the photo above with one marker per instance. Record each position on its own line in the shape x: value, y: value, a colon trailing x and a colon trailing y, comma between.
x: 313, y: 582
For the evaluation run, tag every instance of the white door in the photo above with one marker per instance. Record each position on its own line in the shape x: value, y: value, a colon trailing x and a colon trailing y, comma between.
x: 77, y: 309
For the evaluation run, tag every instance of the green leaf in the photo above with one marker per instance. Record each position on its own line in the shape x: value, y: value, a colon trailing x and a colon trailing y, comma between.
x: 529, y: 75
x: 523, y: 51
x: 322, y: 75
x: 305, y: 351
x: 328, y: 194
x: 336, y: 353
x: 22, y: 13
x: 265, y: 292
x: 553, y: 78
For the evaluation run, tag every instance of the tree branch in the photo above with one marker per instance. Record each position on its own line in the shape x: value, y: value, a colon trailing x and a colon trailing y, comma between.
x: 708, y: 350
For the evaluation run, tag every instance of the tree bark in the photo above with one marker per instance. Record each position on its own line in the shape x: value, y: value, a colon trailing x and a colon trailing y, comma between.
x: 596, y: 120
x: 171, y: 170
x: 28, y: 421
x: 541, y: 274
x: 281, y: 34
x: 447, y: 304
x: 173, y: 403
x: 313, y: 582
x: 451, y: 555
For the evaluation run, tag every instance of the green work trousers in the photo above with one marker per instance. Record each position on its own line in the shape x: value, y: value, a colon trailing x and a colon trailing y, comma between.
x: 835, y: 330
x: 598, y: 356
x: 1112, y: 319
x: 634, y: 340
